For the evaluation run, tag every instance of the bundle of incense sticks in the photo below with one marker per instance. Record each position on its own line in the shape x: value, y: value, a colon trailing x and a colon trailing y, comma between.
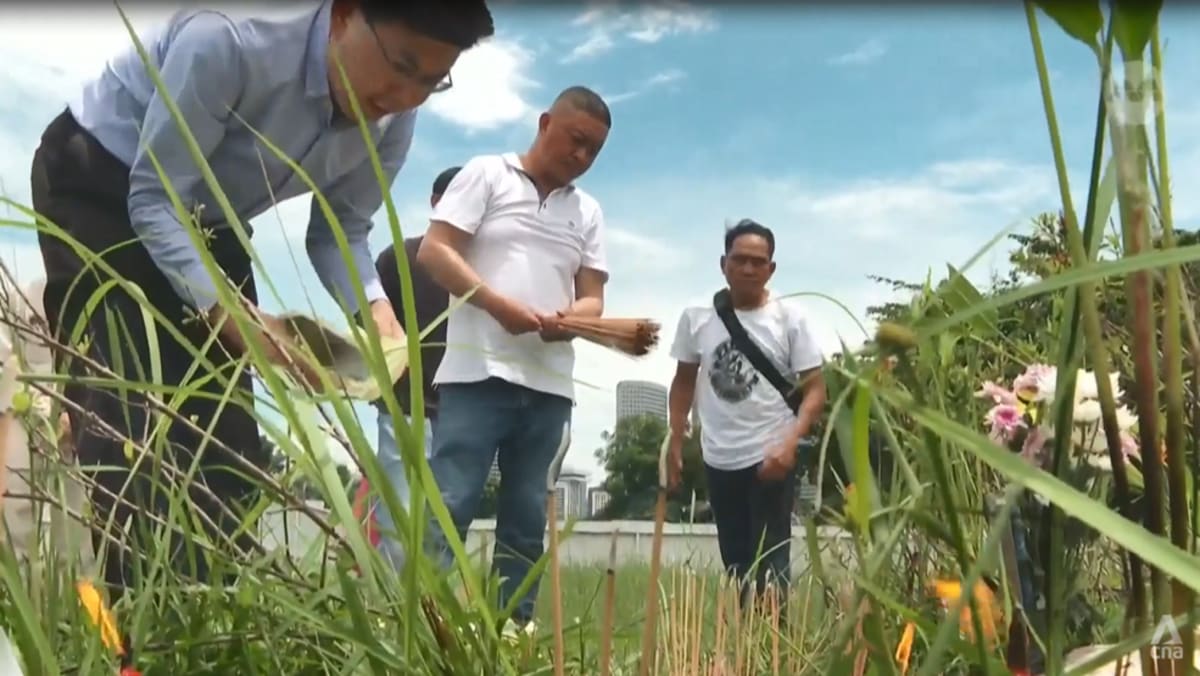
x: 632, y: 336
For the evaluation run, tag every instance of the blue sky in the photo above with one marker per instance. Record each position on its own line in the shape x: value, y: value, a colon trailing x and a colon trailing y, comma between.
x: 878, y: 142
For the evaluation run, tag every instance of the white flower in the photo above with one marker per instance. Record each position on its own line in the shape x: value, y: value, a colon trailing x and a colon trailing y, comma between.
x: 1125, y: 419
x: 1086, y: 387
x: 1087, y: 411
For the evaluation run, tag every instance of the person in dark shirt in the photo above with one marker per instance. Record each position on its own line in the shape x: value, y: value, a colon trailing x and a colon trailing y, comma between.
x: 431, y: 301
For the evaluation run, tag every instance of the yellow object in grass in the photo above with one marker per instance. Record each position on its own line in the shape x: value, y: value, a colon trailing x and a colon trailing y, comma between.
x: 340, y: 356
x: 100, y: 616
x: 904, y: 647
x: 991, y: 613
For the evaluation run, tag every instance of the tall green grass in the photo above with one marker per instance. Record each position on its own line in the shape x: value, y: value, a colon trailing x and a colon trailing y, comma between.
x: 316, y: 614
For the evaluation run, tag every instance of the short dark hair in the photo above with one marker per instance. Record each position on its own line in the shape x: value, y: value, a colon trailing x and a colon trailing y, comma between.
x: 747, y: 226
x: 443, y: 180
x: 585, y: 100
x: 462, y: 23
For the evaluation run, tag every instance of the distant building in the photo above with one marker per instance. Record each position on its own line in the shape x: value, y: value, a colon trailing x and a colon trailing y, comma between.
x: 571, y: 491
x: 494, y: 472
x: 641, y: 397
x: 597, y: 501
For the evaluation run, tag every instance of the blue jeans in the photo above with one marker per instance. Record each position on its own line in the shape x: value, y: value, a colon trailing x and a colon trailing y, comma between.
x: 475, y: 422
x: 397, y: 475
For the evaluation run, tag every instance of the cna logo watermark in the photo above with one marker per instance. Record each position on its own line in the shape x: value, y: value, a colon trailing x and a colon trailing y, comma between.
x: 1166, y: 644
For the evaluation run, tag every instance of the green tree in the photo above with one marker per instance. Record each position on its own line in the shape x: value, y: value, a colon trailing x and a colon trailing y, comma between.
x: 630, y: 460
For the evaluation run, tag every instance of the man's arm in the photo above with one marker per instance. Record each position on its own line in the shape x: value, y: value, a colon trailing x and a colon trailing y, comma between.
x: 593, y: 272
x: 806, y: 359
x: 680, y: 397
x: 456, y: 218
x: 354, y: 199
x: 682, y: 393
x: 812, y: 406
x: 589, y: 293
x: 204, y: 75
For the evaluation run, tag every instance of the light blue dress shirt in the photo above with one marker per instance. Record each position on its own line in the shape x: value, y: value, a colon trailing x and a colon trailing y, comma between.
x: 272, y: 74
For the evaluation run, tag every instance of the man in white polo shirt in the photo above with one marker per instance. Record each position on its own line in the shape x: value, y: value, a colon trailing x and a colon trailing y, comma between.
x: 760, y: 395
x: 518, y: 228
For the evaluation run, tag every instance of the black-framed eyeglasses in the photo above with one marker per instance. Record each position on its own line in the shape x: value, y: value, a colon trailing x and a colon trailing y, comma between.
x: 406, y: 70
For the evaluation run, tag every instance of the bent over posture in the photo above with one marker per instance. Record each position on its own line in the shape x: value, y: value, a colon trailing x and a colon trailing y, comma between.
x: 518, y: 230
x: 96, y: 175
x: 750, y: 364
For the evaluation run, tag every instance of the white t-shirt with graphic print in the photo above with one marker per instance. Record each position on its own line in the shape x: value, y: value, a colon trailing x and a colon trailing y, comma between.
x: 741, y: 413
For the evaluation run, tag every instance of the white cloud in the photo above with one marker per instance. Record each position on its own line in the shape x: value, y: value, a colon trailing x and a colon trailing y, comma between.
x: 867, y: 52
x: 596, y: 44
x: 656, y: 81
x: 490, y: 84
x: 649, y: 23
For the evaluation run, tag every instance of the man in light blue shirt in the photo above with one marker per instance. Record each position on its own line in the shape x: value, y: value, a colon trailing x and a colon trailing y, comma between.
x: 96, y: 175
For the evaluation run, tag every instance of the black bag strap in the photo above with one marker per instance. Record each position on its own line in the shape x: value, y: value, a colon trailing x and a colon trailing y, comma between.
x: 790, y: 391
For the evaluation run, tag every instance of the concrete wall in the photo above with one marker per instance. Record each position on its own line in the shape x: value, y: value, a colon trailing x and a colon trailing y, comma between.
x: 589, y: 542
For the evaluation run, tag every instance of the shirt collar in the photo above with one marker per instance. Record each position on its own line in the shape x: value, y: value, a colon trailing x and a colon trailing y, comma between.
x: 513, y: 160
x: 316, y: 67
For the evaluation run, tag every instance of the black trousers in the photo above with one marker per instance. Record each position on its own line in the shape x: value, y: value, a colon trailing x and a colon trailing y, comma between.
x: 754, y: 526
x: 82, y: 188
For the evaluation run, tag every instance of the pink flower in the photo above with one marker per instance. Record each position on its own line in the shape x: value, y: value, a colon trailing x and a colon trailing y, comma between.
x: 1129, y: 445
x: 1005, y: 420
x: 997, y: 394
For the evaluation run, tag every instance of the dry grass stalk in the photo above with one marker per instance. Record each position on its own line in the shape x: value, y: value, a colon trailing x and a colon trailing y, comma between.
x: 660, y: 516
x: 8, y: 389
x: 718, y: 665
x: 699, y: 627
x: 556, y: 586
x: 774, y: 629
x: 610, y: 603
x: 555, y: 573
x: 636, y: 337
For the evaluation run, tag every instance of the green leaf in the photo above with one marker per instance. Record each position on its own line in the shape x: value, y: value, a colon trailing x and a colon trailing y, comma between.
x: 959, y: 294
x: 1133, y: 24
x: 1153, y: 549
x: 1081, y: 20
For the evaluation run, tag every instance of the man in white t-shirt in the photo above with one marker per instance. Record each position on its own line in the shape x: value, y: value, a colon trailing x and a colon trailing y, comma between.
x: 749, y: 433
x: 531, y: 243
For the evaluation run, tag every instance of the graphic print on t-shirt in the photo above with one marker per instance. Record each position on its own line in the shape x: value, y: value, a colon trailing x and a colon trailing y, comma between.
x: 732, y: 376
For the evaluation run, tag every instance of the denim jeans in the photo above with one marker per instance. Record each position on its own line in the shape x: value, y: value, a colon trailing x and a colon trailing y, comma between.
x: 475, y: 422
x: 754, y: 526
x: 392, y: 462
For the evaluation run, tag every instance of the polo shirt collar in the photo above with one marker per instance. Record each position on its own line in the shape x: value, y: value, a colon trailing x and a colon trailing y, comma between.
x: 513, y: 160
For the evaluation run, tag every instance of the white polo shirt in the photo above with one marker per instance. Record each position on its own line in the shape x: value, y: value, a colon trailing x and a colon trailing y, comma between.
x: 525, y: 249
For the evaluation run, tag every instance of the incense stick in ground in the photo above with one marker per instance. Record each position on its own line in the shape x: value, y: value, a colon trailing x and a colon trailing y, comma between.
x: 552, y: 523
x: 649, y: 651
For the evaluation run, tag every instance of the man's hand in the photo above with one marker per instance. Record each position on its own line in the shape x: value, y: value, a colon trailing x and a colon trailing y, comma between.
x: 675, y: 462
x: 516, y: 318
x: 386, y: 321
x: 778, y: 461
x: 552, y: 330
x: 272, y: 334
